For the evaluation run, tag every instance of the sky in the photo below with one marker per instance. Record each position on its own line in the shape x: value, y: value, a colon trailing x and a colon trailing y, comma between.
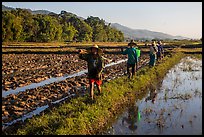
x: 174, y: 18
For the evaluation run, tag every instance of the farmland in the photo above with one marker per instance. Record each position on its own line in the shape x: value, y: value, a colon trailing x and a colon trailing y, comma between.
x: 37, y: 77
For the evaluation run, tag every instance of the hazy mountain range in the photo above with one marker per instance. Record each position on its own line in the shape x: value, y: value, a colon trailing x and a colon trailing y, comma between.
x: 33, y: 12
x: 128, y: 32
x: 143, y: 34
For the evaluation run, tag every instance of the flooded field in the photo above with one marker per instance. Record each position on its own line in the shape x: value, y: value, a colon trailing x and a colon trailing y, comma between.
x: 172, y: 108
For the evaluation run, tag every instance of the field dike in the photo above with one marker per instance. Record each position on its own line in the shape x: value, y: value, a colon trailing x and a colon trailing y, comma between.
x: 80, y: 117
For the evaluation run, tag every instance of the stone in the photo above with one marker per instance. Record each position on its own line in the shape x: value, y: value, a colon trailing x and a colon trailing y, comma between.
x: 17, y: 114
x: 43, y: 98
x: 3, y: 108
x: 6, y: 113
x: 17, y: 108
x: 22, y: 104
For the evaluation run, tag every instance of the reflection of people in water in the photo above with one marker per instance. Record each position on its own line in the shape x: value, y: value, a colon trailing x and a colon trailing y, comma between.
x: 132, y: 117
x: 153, y: 95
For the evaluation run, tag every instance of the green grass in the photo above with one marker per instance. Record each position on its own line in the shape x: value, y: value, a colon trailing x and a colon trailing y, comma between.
x: 53, y: 50
x: 182, y: 42
x: 78, y: 117
x: 32, y: 44
x: 199, y: 56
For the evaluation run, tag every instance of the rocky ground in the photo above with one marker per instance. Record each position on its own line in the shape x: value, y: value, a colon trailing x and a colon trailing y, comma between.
x: 19, y: 70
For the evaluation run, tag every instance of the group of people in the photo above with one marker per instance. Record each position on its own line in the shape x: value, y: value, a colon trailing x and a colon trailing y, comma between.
x: 156, y: 52
x: 95, y: 61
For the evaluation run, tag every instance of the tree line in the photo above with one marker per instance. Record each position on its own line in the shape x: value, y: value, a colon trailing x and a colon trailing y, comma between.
x: 20, y: 25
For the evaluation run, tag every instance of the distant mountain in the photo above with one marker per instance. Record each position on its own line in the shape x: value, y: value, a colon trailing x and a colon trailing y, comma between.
x: 42, y: 12
x: 6, y: 8
x: 33, y: 12
x: 39, y: 11
x: 143, y: 34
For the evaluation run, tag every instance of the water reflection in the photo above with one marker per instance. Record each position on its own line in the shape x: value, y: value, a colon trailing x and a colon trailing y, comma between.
x: 152, y: 96
x: 132, y: 117
x: 174, y: 108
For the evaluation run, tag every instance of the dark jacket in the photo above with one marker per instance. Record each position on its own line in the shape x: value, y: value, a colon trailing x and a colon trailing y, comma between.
x: 95, y: 65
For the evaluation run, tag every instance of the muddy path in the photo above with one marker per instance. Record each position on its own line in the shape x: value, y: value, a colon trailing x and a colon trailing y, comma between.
x: 18, y: 105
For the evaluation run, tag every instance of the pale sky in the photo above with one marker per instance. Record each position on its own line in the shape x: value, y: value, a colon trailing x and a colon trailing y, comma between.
x: 174, y: 18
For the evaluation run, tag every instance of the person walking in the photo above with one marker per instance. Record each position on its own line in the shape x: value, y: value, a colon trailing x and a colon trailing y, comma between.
x: 132, y: 59
x: 95, y: 61
x: 152, y: 54
x: 160, y: 52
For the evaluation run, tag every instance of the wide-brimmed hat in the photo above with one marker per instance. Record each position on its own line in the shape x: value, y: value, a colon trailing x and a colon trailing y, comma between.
x: 100, y: 51
x: 132, y: 43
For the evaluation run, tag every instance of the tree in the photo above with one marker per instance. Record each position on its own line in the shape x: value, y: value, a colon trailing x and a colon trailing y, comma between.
x: 27, y: 24
x: 11, y: 27
x: 102, y: 32
x: 84, y: 30
x: 22, y: 25
x: 49, y: 29
x: 69, y: 32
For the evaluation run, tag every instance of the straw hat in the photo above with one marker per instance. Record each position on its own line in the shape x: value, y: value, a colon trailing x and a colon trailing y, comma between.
x: 96, y: 46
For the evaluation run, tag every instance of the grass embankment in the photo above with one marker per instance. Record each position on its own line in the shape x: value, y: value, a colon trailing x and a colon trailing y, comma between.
x: 187, y: 49
x: 13, y: 44
x: 80, y: 117
x: 52, y: 47
x: 47, y: 44
x: 183, y: 42
x: 199, y: 56
x: 63, y: 47
x: 39, y: 50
